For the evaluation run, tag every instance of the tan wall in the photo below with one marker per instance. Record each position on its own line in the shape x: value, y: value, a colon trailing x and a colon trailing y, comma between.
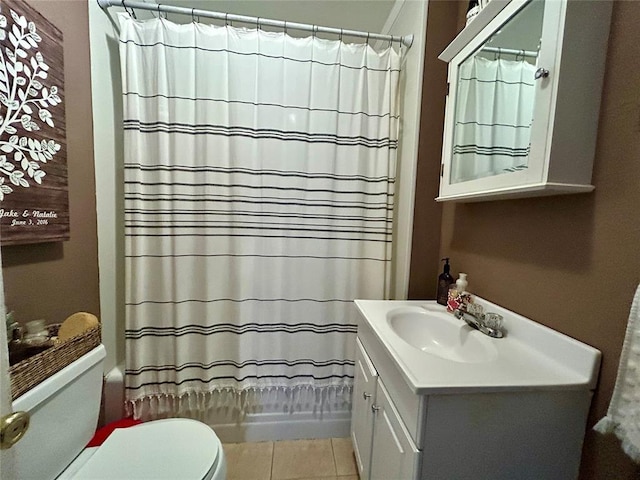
x: 442, y: 24
x: 53, y: 280
x: 570, y: 262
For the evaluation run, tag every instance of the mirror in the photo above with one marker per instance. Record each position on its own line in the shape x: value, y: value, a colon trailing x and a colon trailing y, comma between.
x: 494, y: 100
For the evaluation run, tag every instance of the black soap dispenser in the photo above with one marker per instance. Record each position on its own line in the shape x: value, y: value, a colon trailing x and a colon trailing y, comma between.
x: 444, y: 280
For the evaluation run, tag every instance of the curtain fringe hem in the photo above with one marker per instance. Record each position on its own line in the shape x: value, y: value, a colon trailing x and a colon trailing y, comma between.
x: 238, y: 400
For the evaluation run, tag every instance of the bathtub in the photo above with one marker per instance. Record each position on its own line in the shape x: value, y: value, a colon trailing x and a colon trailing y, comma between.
x: 268, y: 423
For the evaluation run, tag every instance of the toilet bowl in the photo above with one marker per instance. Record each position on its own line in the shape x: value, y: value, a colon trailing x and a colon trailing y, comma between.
x: 64, y: 411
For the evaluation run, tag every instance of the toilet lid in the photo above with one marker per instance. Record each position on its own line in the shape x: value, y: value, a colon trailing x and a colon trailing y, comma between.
x: 162, y: 449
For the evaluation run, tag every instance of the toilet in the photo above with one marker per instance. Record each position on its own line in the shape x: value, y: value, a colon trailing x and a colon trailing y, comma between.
x: 63, y: 414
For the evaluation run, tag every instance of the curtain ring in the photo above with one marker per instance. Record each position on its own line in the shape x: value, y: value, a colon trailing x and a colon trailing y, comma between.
x: 341, y: 32
x: 368, y: 38
x: 131, y: 12
x: 258, y: 22
x: 391, y: 41
x: 285, y: 27
x: 160, y: 14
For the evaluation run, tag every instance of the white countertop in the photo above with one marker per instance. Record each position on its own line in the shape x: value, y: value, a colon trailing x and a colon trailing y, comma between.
x: 530, y: 356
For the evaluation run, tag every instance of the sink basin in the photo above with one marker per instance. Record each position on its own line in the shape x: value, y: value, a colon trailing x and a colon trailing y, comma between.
x: 442, y: 335
x: 435, y: 353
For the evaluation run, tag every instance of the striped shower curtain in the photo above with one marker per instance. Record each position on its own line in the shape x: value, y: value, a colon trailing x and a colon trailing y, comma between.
x: 259, y: 186
x: 493, y: 118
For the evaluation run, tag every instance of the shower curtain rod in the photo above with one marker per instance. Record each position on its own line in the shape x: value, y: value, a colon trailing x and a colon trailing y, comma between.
x: 510, y: 51
x: 406, y: 40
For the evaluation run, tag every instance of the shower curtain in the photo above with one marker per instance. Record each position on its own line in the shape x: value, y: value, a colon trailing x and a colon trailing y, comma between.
x: 259, y: 186
x: 493, y: 118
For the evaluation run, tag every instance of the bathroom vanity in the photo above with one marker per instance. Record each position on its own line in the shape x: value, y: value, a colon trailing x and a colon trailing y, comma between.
x: 435, y: 399
x: 525, y: 80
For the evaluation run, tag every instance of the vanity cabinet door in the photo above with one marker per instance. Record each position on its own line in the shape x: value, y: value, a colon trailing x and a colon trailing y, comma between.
x: 364, y: 391
x: 394, y: 455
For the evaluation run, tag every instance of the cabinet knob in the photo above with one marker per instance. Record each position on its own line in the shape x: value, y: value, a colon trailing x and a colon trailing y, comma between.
x: 541, y: 73
x: 375, y: 408
x: 366, y: 395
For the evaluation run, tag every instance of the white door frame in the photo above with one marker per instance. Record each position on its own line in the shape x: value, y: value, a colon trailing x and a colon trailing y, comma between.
x: 6, y: 456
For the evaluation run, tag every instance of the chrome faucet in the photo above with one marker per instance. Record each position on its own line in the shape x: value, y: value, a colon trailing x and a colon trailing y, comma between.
x: 477, y: 321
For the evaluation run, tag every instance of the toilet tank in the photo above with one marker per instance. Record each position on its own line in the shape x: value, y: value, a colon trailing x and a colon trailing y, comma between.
x: 63, y: 417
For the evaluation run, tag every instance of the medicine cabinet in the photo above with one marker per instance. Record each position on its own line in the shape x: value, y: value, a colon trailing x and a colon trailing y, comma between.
x: 525, y: 80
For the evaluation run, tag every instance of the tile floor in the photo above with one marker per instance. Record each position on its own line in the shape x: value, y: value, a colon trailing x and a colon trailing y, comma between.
x: 323, y: 459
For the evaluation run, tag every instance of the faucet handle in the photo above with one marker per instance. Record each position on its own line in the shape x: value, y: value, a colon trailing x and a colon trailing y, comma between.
x: 493, y: 321
x: 475, y: 309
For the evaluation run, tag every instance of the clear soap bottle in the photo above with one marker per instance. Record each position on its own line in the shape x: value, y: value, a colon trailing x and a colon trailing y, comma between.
x: 461, y: 283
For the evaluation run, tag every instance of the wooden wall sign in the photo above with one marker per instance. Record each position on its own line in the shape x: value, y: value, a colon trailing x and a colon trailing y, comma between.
x: 34, y: 196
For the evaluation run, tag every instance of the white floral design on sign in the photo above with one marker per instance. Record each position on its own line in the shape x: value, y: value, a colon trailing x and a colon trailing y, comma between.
x: 22, y: 93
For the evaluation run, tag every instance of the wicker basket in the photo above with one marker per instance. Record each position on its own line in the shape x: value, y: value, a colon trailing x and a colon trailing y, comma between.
x: 30, y: 372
